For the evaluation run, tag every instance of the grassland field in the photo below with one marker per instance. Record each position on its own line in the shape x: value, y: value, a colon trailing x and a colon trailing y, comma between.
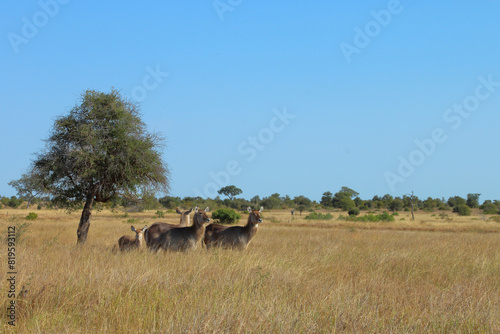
x: 431, y: 275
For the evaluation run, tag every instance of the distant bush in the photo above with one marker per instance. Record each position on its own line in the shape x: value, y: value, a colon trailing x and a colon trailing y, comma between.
x: 353, y: 212
x: 160, y: 214
x: 462, y: 210
x: 31, y: 216
x: 226, y: 216
x: 489, y: 209
x: 318, y: 216
x: 369, y: 218
x: 12, y: 202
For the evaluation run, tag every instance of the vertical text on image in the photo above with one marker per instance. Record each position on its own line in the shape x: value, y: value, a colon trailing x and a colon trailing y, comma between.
x: 11, y: 274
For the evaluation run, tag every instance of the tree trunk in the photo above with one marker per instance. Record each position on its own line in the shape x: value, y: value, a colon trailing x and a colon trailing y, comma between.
x: 29, y: 202
x: 83, y: 227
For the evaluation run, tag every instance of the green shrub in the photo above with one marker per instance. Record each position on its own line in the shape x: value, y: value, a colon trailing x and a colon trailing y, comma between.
x: 31, y: 216
x: 226, y: 216
x: 489, y: 209
x: 160, y: 214
x: 462, y: 210
x: 14, y: 202
x: 369, y: 218
x: 318, y: 216
x: 353, y: 212
x: 386, y: 217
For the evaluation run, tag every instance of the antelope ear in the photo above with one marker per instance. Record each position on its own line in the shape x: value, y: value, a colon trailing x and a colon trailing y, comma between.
x: 249, y: 209
x: 190, y: 211
x: 196, y: 209
x: 145, y: 227
x: 132, y: 228
x: 178, y: 211
x: 207, y: 209
x: 261, y: 208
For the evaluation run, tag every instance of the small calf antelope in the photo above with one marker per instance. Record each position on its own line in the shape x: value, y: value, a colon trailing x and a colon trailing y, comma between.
x: 186, y: 238
x: 127, y: 242
x: 236, y: 237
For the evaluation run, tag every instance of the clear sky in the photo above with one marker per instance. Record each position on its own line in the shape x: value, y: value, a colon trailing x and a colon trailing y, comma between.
x: 284, y: 97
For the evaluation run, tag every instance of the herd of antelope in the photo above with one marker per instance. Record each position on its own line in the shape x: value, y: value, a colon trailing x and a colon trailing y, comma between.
x: 184, y: 236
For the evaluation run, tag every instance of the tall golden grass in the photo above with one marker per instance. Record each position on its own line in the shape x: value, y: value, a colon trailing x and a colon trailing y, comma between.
x: 428, y: 275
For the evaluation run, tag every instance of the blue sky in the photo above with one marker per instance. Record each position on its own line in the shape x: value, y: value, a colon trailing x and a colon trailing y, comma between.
x: 273, y: 97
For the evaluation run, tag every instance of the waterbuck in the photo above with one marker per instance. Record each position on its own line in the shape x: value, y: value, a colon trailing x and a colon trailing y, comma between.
x: 236, y: 237
x: 152, y: 235
x: 127, y: 242
x: 184, y: 217
x: 185, y: 238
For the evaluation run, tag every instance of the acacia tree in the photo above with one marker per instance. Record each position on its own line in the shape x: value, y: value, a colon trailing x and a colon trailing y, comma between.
x: 412, y: 202
x: 473, y: 200
x: 27, y: 187
x: 302, y: 203
x: 344, y: 199
x: 230, y: 191
x: 326, y: 199
x: 99, y: 151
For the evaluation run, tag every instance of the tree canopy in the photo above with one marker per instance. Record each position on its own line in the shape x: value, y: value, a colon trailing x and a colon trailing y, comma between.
x: 101, y: 149
x: 27, y: 187
x: 230, y: 191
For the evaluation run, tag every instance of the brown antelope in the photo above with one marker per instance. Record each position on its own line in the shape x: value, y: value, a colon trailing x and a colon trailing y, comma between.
x: 235, y: 237
x: 152, y: 235
x: 184, y: 217
x: 185, y: 238
x: 127, y: 242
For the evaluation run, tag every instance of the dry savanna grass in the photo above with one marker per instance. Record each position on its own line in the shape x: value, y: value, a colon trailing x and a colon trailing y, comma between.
x: 429, y: 275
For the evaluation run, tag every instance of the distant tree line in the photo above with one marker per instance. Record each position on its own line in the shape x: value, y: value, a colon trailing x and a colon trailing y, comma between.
x: 346, y: 199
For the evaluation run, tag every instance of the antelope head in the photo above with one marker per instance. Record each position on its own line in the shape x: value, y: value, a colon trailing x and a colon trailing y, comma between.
x: 185, y: 221
x: 139, y: 233
x: 255, y: 215
x: 200, y: 216
x: 183, y: 213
